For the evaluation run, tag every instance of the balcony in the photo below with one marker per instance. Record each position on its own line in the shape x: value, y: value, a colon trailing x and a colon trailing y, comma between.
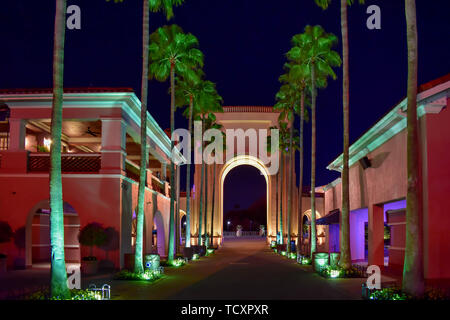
x: 70, y: 162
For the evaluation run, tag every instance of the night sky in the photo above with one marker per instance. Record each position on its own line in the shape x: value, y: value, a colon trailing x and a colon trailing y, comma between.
x: 244, y: 42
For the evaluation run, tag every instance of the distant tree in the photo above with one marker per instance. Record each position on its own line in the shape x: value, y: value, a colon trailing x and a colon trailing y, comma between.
x: 173, y: 52
x: 315, y: 46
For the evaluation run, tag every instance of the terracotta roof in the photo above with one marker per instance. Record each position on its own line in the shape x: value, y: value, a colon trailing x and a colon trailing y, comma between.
x: 66, y: 90
x: 434, y: 83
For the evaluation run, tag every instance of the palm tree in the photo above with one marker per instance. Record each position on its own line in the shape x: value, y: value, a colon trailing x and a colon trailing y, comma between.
x: 172, y: 52
x: 283, y: 147
x: 297, y: 75
x: 345, y: 258
x: 288, y: 98
x: 209, y: 103
x: 58, y: 282
x: 413, y: 282
x: 155, y: 6
x: 315, y: 45
x: 217, y: 126
x: 188, y: 91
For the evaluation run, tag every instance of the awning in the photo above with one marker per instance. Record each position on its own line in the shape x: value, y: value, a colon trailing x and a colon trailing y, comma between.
x: 331, y: 218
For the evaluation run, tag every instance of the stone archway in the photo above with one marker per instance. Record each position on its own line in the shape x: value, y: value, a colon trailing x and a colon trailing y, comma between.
x: 233, y: 163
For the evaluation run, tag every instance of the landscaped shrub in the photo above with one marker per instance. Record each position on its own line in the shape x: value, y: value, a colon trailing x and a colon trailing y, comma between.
x: 396, y: 293
x: 338, y: 272
x: 389, y: 294
x: 92, y: 235
x: 148, y: 275
x: 75, y: 294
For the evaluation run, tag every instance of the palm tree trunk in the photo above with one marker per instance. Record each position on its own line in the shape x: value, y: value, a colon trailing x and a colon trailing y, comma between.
x: 290, y: 198
x: 300, y: 179
x: 138, y: 261
x: 345, y: 259
x: 206, y: 204
x: 281, y: 197
x: 276, y: 208
x: 212, y: 206
x: 58, y: 282
x: 413, y: 282
x: 170, y: 256
x: 188, y: 184
x: 200, y: 216
x: 313, y: 163
x: 177, y: 210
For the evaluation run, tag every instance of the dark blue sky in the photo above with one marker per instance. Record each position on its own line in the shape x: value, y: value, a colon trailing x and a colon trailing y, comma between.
x: 244, y: 42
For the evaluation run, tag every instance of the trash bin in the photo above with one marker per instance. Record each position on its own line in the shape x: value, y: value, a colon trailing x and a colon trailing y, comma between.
x: 152, y: 262
x: 334, y: 258
x: 320, y: 259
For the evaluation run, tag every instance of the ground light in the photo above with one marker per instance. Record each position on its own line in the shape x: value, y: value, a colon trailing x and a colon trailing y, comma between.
x: 293, y: 255
x: 283, y: 253
x: 209, y: 251
x: 334, y: 273
x: 195, y: 256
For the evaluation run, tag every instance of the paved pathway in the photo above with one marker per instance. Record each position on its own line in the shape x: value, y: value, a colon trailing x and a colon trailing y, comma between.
x: 241, y: 269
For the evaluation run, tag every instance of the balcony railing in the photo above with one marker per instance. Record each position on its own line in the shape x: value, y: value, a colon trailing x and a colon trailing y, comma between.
x: 70, y: 162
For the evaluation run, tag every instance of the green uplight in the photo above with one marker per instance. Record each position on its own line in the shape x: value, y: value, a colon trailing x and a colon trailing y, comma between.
x: 195, y: 256
x: 210, y: 251
x: 293, y: 255
x: 283, y: 253
x: 321, y: 262
x: 306, y: 261
x: 334, y: 273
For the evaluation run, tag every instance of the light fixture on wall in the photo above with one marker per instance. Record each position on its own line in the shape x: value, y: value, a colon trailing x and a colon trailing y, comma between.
x: 365, y: 162
x: 47, y: 143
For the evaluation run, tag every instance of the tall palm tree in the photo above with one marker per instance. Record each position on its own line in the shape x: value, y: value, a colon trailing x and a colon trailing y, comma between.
x: 215, y: 125
x: 413, y: 282
x: 209, y: 103
x: 298, y: 75
x: 189, y: 89
x: 58, y: 282
x: 345, y: 258
x: 283, y: 147
x: 166, y: 6
x: 172, y: 52
x: 319, y: 58
x: 288, y: 103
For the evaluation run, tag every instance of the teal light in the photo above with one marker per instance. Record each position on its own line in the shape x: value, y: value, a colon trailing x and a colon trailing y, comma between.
x: 321, y: 262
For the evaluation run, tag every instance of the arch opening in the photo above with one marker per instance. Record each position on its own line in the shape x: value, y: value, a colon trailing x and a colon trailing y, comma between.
x: 35, y: 239
x: 230, y: 165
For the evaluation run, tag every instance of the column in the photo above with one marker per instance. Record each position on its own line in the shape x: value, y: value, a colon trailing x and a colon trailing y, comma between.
x: 376, y: 235
x: 17, y: 134
x: 113, y: 146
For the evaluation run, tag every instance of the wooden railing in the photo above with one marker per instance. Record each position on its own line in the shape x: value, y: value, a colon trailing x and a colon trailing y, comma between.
x: 70, y: 162
x: 248, y: 109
